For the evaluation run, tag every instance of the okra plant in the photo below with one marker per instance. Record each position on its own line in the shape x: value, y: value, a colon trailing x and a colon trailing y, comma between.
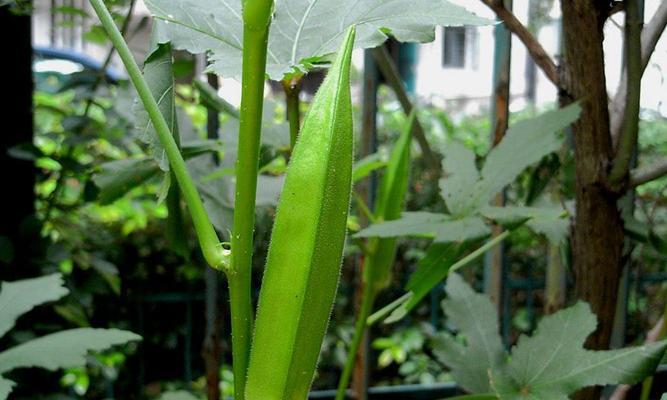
x: 253, y: 39
x: 256, y: 39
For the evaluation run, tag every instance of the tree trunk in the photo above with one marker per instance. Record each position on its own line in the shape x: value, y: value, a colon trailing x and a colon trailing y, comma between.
x: 598, y: 231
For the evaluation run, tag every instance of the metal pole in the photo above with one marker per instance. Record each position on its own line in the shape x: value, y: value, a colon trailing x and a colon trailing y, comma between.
x: 494, y: 263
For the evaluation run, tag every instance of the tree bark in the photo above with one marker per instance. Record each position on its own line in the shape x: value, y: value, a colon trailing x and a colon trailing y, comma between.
x: 598, y: 230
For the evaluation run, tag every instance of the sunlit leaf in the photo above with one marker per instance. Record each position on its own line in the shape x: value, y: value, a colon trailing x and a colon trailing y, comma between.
x: 302, y: 30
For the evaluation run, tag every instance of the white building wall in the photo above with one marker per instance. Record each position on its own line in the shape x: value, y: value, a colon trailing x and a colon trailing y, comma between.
x: 468, y: 89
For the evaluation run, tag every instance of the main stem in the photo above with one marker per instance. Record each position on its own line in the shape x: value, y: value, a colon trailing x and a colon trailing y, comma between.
x: 359, y: 330
x: 208, y: 239
x: 256, y: 19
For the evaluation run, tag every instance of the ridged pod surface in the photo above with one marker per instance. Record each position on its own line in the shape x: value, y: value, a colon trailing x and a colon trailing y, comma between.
x: 304, y: 259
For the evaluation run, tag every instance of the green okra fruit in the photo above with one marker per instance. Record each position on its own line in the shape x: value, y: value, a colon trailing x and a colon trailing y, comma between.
x: 304, y: 259
x: 388, y: 207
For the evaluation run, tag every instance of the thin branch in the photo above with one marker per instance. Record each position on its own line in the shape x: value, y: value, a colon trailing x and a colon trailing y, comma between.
x: 388, y: 69
x: 650, y: 36
x: 642, y: 176
x: 627, y: 141
x: 537, y: 52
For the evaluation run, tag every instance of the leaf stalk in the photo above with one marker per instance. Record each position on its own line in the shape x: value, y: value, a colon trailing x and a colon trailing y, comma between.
x: 209, y: 243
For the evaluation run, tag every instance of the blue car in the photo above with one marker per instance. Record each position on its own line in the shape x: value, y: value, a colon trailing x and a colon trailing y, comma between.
x: 59, y: 69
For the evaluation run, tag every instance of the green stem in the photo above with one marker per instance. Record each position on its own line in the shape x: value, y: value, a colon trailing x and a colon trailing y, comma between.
x: 360, y: 328
x: 214, y: 254
x: 386, y: 310
x: 292, y: 88
x: 478, y: 252
x: 256, y: 20
x: 628, y: 139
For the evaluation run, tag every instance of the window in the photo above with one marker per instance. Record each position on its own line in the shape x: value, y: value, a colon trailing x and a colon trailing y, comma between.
x: 459, y: 47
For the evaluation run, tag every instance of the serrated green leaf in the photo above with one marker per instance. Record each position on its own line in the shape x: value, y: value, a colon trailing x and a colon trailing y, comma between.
x: 159, y: 75
x: 301, y: 31
x: 19, y: 297
x: 460, y: 177
x: 552, y: 363
x: 62, y: 349
x: 525, y: 143
x: 476, y: 319
x: 441, y: 227
x: 6, y: 387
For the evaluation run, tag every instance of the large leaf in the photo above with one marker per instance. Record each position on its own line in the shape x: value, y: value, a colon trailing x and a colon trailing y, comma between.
x: 302, y: 31
x: 465, y: 191
x: 19, y: 297
x: 476, y: 318
x: 553, y: 364
x: 62, y: 349
x: 439, y: 226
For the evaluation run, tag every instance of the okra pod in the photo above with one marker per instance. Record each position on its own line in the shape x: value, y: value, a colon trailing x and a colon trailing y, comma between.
x: 304, y: 259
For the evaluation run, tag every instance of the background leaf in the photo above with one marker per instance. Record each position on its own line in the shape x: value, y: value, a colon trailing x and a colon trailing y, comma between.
x: 524, y: 144
x: 477, y: 320
x: 19, y: 297
x: 301, y: 31
x: 552, y: 363
x: 62, y: 349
